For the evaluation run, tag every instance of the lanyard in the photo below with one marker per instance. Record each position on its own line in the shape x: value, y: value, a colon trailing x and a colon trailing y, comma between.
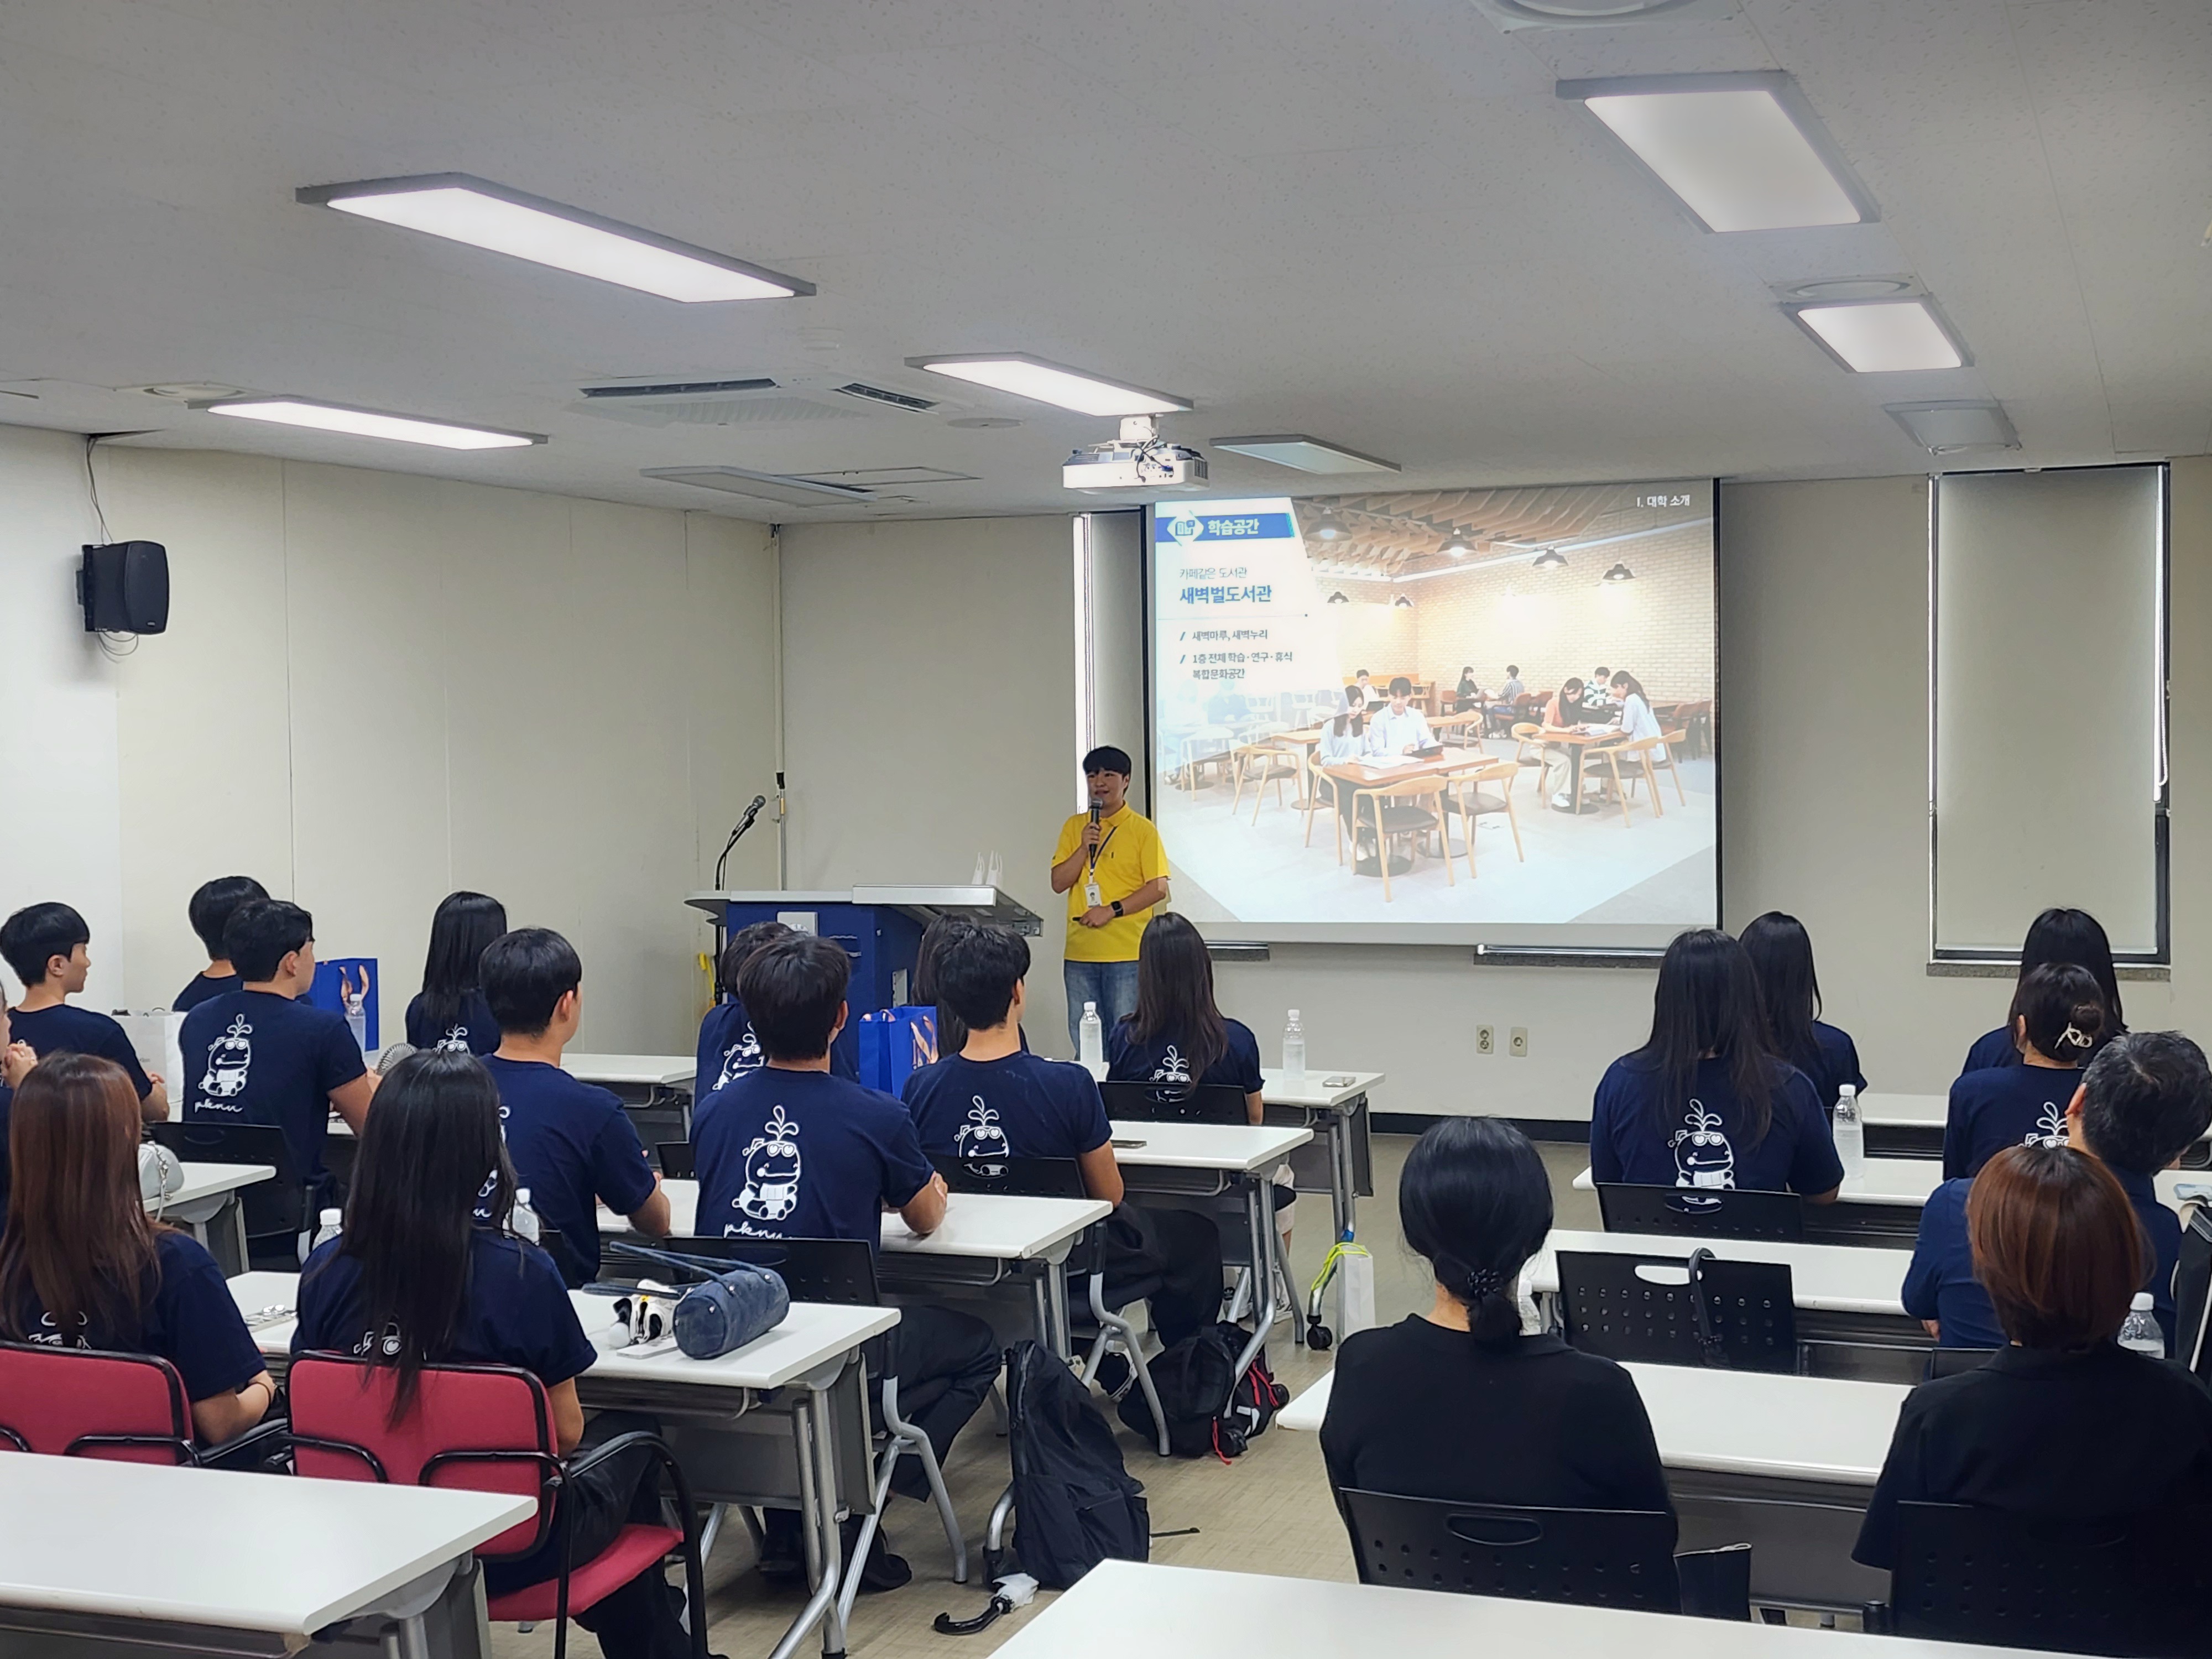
x: 1102, y: 847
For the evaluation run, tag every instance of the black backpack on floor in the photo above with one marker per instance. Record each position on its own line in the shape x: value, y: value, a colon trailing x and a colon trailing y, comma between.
x: 1192, y: 1381
x: 1075, y: 1502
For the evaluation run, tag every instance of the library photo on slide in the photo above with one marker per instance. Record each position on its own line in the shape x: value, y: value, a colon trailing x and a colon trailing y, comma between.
x: 1482, y: 715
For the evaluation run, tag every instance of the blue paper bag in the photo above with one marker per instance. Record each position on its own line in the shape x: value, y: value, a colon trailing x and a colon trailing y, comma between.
x: 895, y: 1041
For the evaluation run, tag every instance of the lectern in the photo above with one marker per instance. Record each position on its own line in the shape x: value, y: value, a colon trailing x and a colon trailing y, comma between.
x: 880, y: 927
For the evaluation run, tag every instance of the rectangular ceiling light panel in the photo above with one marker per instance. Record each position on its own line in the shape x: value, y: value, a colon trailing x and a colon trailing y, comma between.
x: 1026, y: 376
x: 1306, y: 454
x: 1743, y: 152
x: 462, y: 208
x: 371, y: 423
x: 1883, y: 336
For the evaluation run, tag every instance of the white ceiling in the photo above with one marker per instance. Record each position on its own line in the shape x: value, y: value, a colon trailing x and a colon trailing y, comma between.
x: 1370, y: 222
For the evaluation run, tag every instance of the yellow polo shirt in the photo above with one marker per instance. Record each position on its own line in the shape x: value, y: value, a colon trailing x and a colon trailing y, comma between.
x: 1129, y: 856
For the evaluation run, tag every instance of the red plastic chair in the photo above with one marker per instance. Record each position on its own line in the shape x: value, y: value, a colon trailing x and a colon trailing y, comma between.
x: 485, y: 1428
x: 85, y: 1402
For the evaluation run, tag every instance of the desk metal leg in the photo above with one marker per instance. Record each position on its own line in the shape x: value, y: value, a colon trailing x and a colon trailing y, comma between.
x: 817, y: 1493
x: 1062, y: 1341
x: 1260, y: 1217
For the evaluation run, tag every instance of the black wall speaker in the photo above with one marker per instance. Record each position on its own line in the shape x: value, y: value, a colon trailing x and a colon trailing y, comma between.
x: 125, y: 588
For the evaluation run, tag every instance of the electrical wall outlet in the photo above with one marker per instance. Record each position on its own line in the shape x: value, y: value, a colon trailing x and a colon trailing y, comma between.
x: 1516, y: 1042
x: 1486, y: 1039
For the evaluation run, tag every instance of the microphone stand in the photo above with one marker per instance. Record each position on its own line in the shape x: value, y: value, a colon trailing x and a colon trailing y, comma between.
x: 721, y: 923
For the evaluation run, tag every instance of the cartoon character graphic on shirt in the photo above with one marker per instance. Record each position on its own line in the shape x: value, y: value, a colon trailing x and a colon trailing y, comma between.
x: 1172, y: 1068
x: 230, y: 1056
x: 389, y: 1342
x: 742, y: 1056
x: 981, y: 1140
x: 2049, y: 1129
x: 49, y: 1335
x: 1702, y: 1157
x: 455, y: 1041
x: 772, y: 1170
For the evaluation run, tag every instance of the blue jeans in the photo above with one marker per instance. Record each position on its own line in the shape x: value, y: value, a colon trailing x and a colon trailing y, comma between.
x: 1111, y: 985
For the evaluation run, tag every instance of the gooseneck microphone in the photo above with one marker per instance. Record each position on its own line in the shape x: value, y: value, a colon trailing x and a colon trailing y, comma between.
x: 736, y: 835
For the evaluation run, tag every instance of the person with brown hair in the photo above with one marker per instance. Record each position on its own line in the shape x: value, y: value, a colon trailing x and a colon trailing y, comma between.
x: 2063, y: 1422
x: 80, y: 1265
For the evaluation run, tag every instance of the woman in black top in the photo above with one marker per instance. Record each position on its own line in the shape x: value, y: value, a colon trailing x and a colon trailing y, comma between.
x: 1457, y: 1403
x: 427, y: 1272
x: 2063, y: 1424
x: 1179, y: 1034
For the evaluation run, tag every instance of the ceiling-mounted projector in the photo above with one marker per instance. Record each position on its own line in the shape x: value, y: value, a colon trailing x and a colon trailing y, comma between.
x: 1135, y: 460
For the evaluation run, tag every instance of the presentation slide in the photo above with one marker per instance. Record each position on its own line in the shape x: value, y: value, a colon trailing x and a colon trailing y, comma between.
x: 1478, y: 716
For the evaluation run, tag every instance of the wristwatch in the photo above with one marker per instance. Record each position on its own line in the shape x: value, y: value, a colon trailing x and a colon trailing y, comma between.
x: 1117, y: 908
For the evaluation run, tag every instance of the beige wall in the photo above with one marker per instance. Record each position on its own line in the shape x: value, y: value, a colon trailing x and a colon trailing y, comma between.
x: 376, y: 688
x: 929, y: 711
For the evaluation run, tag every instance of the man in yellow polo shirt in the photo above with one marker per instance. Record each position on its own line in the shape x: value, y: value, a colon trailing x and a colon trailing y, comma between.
x: 1111, y: 865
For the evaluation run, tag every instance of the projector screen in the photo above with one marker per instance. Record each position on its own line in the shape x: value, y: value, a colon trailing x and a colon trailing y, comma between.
x: 1480, y: 617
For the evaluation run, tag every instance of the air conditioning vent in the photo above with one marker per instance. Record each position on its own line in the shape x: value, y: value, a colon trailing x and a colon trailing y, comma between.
x: 877, y: 394
x: 680, y: 388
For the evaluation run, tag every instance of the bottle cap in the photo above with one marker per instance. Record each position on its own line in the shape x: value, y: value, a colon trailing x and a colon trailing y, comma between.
x: 1294, y: 1013
x: 1090, y: 1007
x: 522, y: 1195
x: 2141, y: 1303
x: 331, y: 1217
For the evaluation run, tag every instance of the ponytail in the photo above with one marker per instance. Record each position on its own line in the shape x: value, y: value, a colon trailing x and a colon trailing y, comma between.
x: 2063, y: 1008
x: 1474, y: 1199
x: 1493, y: 1305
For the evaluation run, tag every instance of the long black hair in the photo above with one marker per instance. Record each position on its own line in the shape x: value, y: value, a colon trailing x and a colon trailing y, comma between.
x: 1707, y: 1003
x: 2076, y: 937
x: 1475, y: 1200
x: 1174, y: 994
x: 431, y: 1157
x: 942, y: 932
x: 463, y: 923
x: 1781, y: 953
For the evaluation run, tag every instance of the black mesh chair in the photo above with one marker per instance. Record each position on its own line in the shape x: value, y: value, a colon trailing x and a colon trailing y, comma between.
x: 1175, y: 1102
x: 1702, y: 1211
x: 1950, y: 1361
x: 275, y: 1213
x: 841, y: 1271
x: 2137, y: 1588
x: 1593, y: 1557
x: 677, y: 1160
x: 1104, y: 1328
x: 1734, y: 1315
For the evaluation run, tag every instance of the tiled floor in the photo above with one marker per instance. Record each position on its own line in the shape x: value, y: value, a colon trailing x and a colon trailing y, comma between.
x: 1269, y: 1512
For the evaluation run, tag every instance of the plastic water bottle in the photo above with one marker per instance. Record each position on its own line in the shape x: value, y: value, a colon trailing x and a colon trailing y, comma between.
x: 331, y: 1220
x: 1090, y: 1039
x: 2139, y: 1332
x: 523, y: 1220
x: 994, y: 873
x: 1849, y: 1133
x: 1294, y: 1051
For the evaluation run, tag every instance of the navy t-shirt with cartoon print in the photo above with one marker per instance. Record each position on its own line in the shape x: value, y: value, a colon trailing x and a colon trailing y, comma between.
x: 786, y: 1154
x: 63, y: 1030
x: 472, y: 1029
x: 1704, y: 1142
x: 203, y: 988
x: 728, y: 1050
x: 2001, y: 1106
x: 1021, y: 1106
x: 1128, y: 1061
x: 571, y: 1143
x: 256, y: 1057
x: 186, y: 1315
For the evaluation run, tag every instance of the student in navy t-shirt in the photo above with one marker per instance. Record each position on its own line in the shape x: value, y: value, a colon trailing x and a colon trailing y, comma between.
x: 47, y: 945
x: 259, y: 1056
x: 1702, y: 1104
x: 993, y: 1098
x: 2073, y: 937
x: 209, y: 910
x: 417, y: 1280
x: 113, y: 1279
x: 2143, y: 1100
x: 1178, y: 1033
x: 16, y: 1062
x: 1781, y: 953
x: 573, y: 1145
x: 791, y: 1151
x: 727, y: 1048
x: 2058, y: 1020
x: 450, y: 1011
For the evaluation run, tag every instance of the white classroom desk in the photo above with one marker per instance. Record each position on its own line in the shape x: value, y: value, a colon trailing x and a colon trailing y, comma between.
x: 1121, y: 1608
x: 263, y: 1565
x: 643, y: 1083
x: 986, y: 1238
x: 703, y: 1405
x: 1881, y: 1204
x: 1786, y: 1463
x: 1206, y: 1160
x: 1340, y: 1113
x: 209, y: 1206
